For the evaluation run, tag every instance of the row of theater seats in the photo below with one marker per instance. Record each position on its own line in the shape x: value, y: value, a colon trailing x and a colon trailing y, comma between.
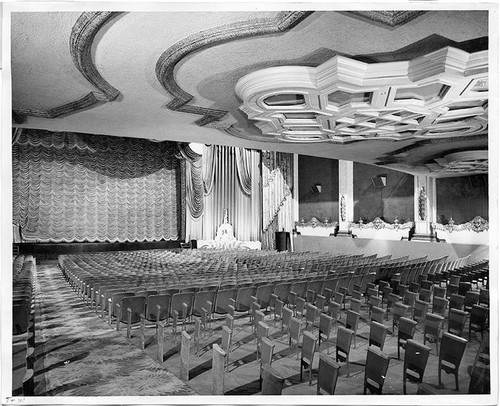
x: 309, y: 321
x: 191, y: 268
x: 142, y: 296
x: 23, y: 312
x: 325, y: 295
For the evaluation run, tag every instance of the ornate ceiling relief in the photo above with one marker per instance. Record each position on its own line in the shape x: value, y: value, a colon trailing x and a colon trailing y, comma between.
x: 461, y: 163
x: 441, y: 94
x: 165, y: 66
x: 81, y: 40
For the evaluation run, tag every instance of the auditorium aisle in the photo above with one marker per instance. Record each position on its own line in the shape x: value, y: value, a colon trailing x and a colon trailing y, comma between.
x: 78, y: 354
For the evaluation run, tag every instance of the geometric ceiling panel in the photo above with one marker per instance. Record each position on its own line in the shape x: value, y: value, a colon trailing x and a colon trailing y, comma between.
x: 461, y: 163
x: 441, y: 94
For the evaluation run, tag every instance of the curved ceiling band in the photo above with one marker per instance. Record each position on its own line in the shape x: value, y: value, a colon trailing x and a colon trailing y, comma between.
x: 165, y: 65
x: 80, y: 47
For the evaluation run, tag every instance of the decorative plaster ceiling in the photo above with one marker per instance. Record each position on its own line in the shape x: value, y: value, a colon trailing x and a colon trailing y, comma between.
x: 441, y: 94
x: 461, y: 163
x: 171, y: 75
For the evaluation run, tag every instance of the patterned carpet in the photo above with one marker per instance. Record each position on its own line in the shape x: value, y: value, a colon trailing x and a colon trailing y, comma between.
x: 78, y: 354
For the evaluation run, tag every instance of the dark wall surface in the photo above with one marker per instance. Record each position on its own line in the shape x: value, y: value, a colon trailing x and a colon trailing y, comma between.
x: 372, y: 200
x: 324, y: 205
x: 462, y: 198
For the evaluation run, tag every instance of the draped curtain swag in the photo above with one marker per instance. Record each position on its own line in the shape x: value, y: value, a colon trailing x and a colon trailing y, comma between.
x: 277, y: 205
x: 71, y: 187
x: 194, y: 181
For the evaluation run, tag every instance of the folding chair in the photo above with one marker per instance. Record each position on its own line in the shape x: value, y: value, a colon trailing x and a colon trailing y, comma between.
x: 450, y: 355
x: 328, y: 373
x: 406, y: 330
x: 415, y: 362
x: 377, y: 336
x: 307, y: 355
x: 377, y: 364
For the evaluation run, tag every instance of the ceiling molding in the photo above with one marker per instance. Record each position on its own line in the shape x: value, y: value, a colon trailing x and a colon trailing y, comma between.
x: 167, y: 62
x: 80, y: 44
x: 85, y: 102
x: 389, y: 18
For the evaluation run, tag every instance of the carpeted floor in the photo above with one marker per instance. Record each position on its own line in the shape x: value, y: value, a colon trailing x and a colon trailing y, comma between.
x: 78, y: 354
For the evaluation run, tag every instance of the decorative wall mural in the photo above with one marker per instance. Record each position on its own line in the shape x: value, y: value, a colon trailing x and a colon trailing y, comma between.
x: 461, y: 163
x: 71, y: 187
x: 441, y: 94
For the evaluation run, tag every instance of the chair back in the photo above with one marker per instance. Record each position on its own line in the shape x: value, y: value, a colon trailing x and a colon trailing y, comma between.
x: 152, y: 310
x: 420, y: 309
x: 478, y: 319
x: 300, y: 288
x: 439, y: 305
x: 282, y: 290
x: 308, y: 347
x: 117, y: 298
x: 200, y: 300
x: 266, y: 351
x: 328, y: 373
x: 355, y: 305
x: 287, y: 315
x: 325, y: 325
x: 406, y: 328
x: 295, y: 329
x: 352, y: 321
x: 344, y: 340
x: 409, y: 298
x: 262, y: 331
x: 178, y: 301
x: 222, y: 300
x: 263, y: 294
x: 334, y: 309
x: 457, y: 302
x: 311, y: 312
x: 439, y: 292
x: 433, y: 325
x: 272, y: 382
x: 452, y: 349
x: 377, y: 364
x: 471, y: 299
x: 377, y: 314
x: 320, y: 302
x: 456, y: 321
x: 136, y: 304
x: 378, y: 333
x: 244, y: 298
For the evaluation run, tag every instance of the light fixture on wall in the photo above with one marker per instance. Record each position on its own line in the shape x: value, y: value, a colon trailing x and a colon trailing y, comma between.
x: 380, y: 181
x: 316, y: 189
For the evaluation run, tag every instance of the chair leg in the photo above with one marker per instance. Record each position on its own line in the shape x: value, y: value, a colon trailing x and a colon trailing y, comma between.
x: 129, y: 323
x: 439, y: 374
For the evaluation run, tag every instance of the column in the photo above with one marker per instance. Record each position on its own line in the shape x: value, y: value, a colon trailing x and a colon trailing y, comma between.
x: 424, y: 198
x: 346, y: 198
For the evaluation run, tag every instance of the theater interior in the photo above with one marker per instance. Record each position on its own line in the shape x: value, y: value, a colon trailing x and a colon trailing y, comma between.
x: 204, y: 200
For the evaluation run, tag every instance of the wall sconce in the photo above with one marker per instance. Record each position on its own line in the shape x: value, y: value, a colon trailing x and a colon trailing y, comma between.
x: 316, y: 189
x: 380, y: 181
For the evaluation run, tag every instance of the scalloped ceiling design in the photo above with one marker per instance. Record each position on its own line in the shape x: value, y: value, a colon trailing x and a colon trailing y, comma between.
x: 441, y: 94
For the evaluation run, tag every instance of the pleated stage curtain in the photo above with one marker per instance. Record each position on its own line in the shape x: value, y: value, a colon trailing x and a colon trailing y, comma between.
x: 277, y: 203
x: 71, y: 187
x: 231, y: 180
